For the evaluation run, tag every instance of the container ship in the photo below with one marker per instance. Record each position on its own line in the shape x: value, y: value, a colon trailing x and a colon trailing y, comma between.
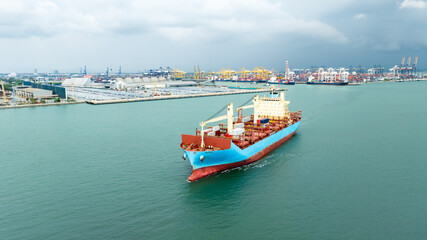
x: 329, y: 77
x: 276, y: 80
x: 244, y: 139
x: 328, y: 83
x: 287, y: 79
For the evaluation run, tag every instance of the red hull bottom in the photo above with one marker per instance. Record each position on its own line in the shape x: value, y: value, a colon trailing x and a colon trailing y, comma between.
x: 206, y: 171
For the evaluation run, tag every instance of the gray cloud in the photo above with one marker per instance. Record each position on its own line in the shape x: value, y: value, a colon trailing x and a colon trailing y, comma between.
x: 213, y: 33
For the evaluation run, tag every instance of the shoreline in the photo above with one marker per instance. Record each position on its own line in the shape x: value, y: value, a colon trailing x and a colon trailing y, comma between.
x: 40, y: 105
x: 156, y: 98
x: 170, y: 97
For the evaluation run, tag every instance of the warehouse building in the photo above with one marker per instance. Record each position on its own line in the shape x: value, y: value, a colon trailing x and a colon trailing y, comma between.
x: 35, y: 93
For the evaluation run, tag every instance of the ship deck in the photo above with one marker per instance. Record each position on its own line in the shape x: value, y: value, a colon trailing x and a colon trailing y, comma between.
x: 253, y: 133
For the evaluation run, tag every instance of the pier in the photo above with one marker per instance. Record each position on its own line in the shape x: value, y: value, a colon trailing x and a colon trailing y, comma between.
x: 169, y: 97
x: 39, y: 105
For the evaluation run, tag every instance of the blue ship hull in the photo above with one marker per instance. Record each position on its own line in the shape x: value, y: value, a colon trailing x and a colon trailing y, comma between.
x: 205, y: 163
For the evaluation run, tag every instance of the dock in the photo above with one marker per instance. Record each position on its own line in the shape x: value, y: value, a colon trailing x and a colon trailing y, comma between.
x: 169, y: 97
x: 40, y: 105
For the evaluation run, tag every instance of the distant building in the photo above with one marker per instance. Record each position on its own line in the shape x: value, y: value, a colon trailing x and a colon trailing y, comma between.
x: 11, y: 75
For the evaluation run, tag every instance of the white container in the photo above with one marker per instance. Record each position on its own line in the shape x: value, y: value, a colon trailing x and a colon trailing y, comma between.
x: 215, y: 128
x: 246, y: 119
x: 211, y: 134
x: 237, y: 131
x: 239, y: 125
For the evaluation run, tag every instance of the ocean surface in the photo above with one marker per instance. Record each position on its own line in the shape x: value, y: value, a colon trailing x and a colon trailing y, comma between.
x: 356, y: 169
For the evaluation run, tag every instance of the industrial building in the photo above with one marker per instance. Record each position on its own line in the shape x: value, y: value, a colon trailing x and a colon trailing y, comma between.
x: 35, y: 93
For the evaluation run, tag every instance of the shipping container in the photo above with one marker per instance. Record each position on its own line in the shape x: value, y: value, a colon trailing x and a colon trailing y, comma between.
x: 237, y: 131
x: 265, y: 120
x: 246, y: 119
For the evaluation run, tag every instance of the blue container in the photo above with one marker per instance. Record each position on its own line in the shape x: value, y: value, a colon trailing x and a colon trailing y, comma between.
x: 263, y: 121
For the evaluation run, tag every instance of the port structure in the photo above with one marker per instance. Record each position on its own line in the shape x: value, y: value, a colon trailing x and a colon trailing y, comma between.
x: 178, y: 74
x: 4, y: 92
x: 258, y: 73
x: 406, y: 69
x: 198, y: 74
x: 244, y: 74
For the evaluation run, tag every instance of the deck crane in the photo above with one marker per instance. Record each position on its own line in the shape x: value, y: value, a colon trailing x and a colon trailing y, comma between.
x: 228, y: 116
x: 240, y: 112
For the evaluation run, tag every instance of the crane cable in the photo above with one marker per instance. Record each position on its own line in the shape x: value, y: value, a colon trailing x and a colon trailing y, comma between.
x: 246, y: 102
x: 222, y: 109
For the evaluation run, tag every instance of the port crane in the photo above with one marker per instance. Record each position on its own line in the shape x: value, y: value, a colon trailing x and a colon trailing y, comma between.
x: 407, y: 68
x: 197, y: 73
x: 178, y: 74
x: 244, y: 73
x: 4, y: 92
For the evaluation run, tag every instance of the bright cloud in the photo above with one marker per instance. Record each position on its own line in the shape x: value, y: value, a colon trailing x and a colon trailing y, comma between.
x: 419, y: 4
x: 359, y: 16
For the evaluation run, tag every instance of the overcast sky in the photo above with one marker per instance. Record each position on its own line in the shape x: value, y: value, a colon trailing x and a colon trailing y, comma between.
x: 65, y: 35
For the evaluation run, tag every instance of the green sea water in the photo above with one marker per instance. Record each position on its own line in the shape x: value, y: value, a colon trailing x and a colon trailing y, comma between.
x: 356, y: 169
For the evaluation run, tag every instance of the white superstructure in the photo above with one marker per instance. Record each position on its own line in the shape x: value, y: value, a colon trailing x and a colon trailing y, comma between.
x: 265, y: 107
